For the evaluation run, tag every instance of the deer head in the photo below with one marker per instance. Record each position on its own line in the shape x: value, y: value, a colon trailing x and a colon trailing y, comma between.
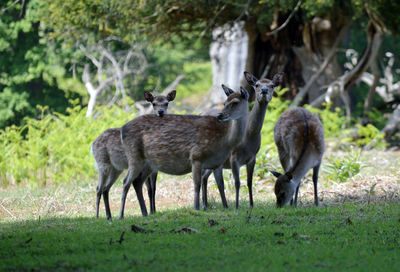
x: 160, y: 102
x: 284, y: 188
x: 264, y: 88
x: 233, y: 108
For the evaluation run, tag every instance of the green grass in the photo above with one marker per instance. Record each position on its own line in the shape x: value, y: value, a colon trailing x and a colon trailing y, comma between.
x: 347, y: 237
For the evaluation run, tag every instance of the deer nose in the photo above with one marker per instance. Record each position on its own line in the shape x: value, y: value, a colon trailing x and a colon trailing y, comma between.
x: 220, y: 116
x: 160, y: 113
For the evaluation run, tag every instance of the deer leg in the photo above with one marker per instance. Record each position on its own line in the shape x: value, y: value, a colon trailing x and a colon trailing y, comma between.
x: 133, y: 172
x: 315, y: 181
x: 235, y: 171
x: 149, y: 192
x: 204, y: 181
x: 152, y: 179
x: 112, y: 177
x: 138, y: 185
x: 220, y: 183
x: 103, y: 175
x: 295, y: 196
x: 250, y: 169
x: 196, y: 173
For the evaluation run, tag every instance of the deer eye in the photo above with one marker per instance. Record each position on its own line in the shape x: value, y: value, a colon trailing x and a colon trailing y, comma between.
x: 257, y: 85
x: 165, y: 104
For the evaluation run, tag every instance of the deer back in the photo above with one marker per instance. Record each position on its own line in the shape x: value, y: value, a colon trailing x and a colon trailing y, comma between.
x: 290, y: 134
x: 173, y: 142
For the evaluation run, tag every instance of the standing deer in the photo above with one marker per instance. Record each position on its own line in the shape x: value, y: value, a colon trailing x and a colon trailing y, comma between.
x: 110, y: 157
x: 299, y: 137
x: 245, y: 153
x: 179, y: 144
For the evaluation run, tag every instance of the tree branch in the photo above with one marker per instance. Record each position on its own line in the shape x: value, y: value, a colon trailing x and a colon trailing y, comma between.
x: 276, y: 30
x: 303, y: 91
x: 173, y: 84
x: 375, y: 34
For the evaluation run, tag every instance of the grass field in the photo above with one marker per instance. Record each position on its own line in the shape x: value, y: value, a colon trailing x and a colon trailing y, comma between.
x: 356, y: 228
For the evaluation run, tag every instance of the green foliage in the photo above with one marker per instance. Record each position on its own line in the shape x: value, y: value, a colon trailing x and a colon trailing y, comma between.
x: 276, y: 107
x: 129, y: 18
x: 32, y: 69
x: 346, y: 237
x: 343, y: 168
x: 367, y: 136
x: 55, y: 148
x: 333, y: 121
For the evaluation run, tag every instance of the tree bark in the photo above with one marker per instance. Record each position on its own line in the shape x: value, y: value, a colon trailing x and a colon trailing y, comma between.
x: 372, y: 90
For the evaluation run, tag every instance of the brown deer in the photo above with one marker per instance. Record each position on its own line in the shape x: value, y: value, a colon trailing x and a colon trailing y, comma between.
x: 299, y: 137
x: 179, y: 144
x: 245, y: 153
x: 110, y: 157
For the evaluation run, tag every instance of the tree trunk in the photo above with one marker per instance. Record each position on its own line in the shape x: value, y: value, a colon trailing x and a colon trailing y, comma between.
x: 393, y: 124
x: 228, y: 53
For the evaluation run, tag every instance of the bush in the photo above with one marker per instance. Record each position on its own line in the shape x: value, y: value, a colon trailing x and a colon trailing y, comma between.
x: 366, y: 136
x: 345, y: 167
x: 55, y: 148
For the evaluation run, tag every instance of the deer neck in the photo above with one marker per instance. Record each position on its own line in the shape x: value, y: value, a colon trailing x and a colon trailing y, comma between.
x: 237, y: 130
x: 256, y: 119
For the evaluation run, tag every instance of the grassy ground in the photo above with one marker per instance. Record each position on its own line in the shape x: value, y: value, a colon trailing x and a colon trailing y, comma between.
x: 356, y: 228
x: 348, y: 237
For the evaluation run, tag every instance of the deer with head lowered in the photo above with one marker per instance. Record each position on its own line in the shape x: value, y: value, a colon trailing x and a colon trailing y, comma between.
x: 245, y: 153
x: 110, y: 157
x: 299, y: 137
x: 180, y: 144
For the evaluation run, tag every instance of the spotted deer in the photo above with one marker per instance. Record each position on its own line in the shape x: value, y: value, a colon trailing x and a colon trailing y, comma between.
x: 245, y: 153
x: 179, y: 144
x: 110, y: 157
x: 299, y: 137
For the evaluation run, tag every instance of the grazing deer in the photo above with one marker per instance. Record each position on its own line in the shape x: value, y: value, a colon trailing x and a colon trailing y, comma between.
x: 299, y: 136
x: 245, y: 153
x: 179, y: 144
x: 110, y: 157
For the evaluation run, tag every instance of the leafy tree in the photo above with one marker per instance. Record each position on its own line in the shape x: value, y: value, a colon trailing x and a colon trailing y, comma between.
x: 33, y: 69
x: 298, y: 37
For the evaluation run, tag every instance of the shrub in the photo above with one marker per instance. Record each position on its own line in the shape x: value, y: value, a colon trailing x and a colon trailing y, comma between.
x: 343, y: 168
x: 55, y: 148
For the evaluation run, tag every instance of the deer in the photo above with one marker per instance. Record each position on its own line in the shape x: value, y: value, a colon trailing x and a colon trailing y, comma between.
x: 110, y: 157
x: 180, y: 144
x: 299, y: 137
x: 245, y: 153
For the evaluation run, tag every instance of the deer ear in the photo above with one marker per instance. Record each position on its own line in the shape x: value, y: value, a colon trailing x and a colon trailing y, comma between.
x: 289, y: 175
x: 250, y: 78
x: 148, y: 96
x: 171, y: 95
x: 276, y: 174
x: 244, y: 93
x: 277, y: 80
x: 228, y: 91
